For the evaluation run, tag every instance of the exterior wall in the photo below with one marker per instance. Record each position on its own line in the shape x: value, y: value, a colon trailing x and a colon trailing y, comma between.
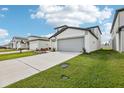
x: 115, y: 35
x: 18, y: 45
x: 33, y: 45
x: 53, y: 43
x: 71, y: 33
x: 86, y: 42
x: 68, y: 33
x: 22, y: 45
x: 43, y: 44
x: 14, y: 45
x: 98, y: 34
x: 32, y: 38
x: 11, y: 45
x: 121, y: 18
x: 91, y: 43
x: 121, y: 38
x: 122, y: 41
x: 117, y: 41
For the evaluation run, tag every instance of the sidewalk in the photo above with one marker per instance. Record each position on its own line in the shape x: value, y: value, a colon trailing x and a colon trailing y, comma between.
x: 14, y: 52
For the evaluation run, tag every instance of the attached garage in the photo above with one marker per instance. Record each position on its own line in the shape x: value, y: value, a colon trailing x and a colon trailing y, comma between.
x: 75, y: 39
x: 34, y: 45
x: 71, y: 44
x: 36, y: 42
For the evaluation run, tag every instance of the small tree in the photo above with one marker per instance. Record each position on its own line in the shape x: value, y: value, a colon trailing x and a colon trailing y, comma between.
x: 20, y: 49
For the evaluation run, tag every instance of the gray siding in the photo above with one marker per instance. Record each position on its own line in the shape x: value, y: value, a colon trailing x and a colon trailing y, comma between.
x: 122, y: 41
x: 114, y: 43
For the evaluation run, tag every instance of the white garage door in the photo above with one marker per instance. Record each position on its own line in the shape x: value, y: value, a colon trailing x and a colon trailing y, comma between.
x: 33, y: 45
x: 71, y: 45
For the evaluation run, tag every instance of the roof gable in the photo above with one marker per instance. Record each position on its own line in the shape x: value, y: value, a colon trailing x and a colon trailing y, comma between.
x: 64, y: 27
x: 96, y: 27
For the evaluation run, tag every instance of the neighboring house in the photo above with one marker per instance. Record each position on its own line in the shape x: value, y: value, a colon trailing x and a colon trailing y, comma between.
x: 36, y: 42
x: 31, y: 42
x: 9, y: 45
x: 20, y: 42
x: 75, y: 39
x: 117, y: 31
x: 106, y: 45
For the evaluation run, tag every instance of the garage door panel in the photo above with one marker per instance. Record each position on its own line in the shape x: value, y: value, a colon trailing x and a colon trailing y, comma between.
x: 72, y: 45
x: 33, y: 45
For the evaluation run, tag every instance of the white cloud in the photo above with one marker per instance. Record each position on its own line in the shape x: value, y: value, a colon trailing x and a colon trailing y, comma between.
x: 3, y: 33
x: 4, y: 41
x: 28, y: 34
x: 106, y: 36
x: 71, y: 15
x: 106, y: 13
x: 1, y: 15
x: 47, y: 35
x: 4, y: 9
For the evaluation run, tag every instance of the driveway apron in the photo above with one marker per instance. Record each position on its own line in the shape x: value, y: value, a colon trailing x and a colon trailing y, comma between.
x: 16, y: 69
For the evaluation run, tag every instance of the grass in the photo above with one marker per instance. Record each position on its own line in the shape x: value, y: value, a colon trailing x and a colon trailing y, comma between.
x: 6, y: 50
x: 15, y: 55
x: 100, y: 69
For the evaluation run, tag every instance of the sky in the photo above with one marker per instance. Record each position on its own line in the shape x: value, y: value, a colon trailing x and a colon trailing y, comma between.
x: 41, y: 20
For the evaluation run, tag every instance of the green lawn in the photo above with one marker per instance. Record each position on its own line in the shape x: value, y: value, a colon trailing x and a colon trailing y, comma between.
x: 6, y: 50
x: 104, y: 68
x: 16, y: 55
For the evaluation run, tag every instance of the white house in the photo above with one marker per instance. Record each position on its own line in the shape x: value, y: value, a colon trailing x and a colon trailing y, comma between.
x: 9, y: 45
x: 36, y: 42
x: 19, y: 42
x: 117, y: 31
x: 75, y: 39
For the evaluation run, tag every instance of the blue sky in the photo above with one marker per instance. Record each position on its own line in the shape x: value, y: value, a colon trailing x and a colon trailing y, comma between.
x: 40, y: 20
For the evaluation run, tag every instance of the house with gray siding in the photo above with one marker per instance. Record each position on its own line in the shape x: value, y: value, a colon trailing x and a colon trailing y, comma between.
x: 19, y: 42
x: 75, y: 39
x: 8, y: 46
x: 117, y: 31
x: 30, y: 42
x: 37, y: 42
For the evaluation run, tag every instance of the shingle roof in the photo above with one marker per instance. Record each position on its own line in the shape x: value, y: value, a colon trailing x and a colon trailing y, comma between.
x: 34, y: 36
x: 22, y: 38
x: 39, y: 39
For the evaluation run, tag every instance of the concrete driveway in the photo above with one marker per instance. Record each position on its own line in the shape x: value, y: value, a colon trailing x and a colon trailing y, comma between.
x: 20, y: 68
